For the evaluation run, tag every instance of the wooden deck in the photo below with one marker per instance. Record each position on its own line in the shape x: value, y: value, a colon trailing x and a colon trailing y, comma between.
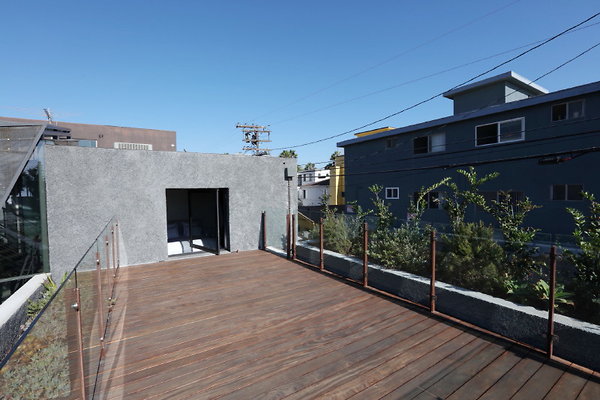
x: 255, y: 326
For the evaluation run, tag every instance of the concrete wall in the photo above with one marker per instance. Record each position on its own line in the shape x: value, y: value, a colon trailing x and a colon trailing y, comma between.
x: 86, y: 187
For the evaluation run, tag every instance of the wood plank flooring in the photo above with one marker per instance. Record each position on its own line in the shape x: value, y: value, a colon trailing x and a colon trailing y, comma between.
x: 255, y: 326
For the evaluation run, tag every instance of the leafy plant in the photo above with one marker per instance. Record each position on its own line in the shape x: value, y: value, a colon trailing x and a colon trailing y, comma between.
x: 520, y: 256
x: 587, y: 259
x: 537, y: 294
x: 35, y: 306
x: 458, y: 200
x: 472, y: 259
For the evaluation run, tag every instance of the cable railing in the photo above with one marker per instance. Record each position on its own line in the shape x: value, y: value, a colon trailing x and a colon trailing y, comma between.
x: 60, y: 353
x: 530, y: 293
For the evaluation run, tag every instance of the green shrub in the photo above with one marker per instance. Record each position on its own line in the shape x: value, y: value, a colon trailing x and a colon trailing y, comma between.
x: 405, y: 248
x: 472, y: 259
x: 587, y: 260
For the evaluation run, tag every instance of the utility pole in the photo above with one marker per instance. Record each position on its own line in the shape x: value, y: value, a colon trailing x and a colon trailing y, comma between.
x: 253, y: 136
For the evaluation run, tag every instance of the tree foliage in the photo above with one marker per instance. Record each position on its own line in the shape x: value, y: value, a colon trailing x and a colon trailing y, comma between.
x: 288, y: 154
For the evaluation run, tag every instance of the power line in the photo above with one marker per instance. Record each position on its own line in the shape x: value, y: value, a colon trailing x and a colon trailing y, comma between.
x: 441, y: 93
x: 481, y: 108
x: 372, y: 67
x: 474, y: 163
x: 523, y: 145
x: 418, y: 79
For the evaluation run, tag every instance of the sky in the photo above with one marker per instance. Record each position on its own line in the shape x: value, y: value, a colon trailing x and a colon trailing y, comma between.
x: 308, y: 70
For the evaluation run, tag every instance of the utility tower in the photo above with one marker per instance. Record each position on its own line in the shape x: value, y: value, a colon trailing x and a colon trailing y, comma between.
x: 253, y: 136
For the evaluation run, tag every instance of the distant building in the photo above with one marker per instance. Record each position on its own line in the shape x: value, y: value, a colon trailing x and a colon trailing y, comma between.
x: 108, y: 136
x: 544, y: 145
x: 336, y: 182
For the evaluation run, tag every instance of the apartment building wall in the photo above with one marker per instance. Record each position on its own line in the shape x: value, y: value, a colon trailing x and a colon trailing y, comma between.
x: 542, y: 135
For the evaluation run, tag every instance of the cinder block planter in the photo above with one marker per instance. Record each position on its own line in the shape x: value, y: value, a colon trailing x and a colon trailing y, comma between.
x: 576, y: 341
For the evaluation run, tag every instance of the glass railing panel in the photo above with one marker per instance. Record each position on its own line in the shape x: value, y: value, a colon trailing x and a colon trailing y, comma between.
x: 577, y: 307
x: 276, y: 229
x: 493, y: 284
x: 46, y: 362
x: 88, y: 281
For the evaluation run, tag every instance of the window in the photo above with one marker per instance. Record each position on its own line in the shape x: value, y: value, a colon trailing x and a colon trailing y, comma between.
x: 132, y: 146
x: 569, y: 110
x: 391, y: 143
x: 500, y: 132
x: 304, y: 194
x: 429, y: 144
x: 432, y: 199
x: 566, y: 192
x: 392, y: 193
x: 421, y: 145
x: 87, y: 143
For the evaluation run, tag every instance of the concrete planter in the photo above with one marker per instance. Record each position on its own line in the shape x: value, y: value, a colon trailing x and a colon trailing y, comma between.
x: 13, y: 312
x: 576, y: 341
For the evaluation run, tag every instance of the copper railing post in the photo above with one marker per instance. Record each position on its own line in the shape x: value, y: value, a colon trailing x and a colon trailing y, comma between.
x: 75, y: 331
x: 100, y: 300
x: 321, y: 246
x: 551, y: 295
x: 114, y: 255
x: 294, y: 237
x: 365, y: 252
x: 287, y: 234
x: 432, y: 296
x: 264, y: 230
x: 117, y: 244
x: 108, y: 273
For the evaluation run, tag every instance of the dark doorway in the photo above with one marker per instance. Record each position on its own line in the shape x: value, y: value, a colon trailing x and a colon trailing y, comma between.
x: 197, y: 220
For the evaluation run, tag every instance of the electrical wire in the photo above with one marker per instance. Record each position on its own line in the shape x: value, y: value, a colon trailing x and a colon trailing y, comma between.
x: 395, y: 57
x: 531, y: 143
x: 441, y: 93
x: 506, y: 96
x: 417, y: 79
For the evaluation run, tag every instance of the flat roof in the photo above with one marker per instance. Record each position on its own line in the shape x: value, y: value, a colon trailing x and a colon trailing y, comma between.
x: 495, y: 109
x: 509, y: 76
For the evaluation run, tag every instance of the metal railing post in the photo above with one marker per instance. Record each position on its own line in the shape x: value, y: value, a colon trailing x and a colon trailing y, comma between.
x: 108, y: 273
x: 100, y: 300
x: 114, y: 254
x: 551, y: 300
x: 365, y: 254
x: 294, y: 237
x: 264, y: 230
x: 432, y: 296
x: 287, y: 234
x: 321, y: 246
x: 75, y: 330
x: 117, y: 243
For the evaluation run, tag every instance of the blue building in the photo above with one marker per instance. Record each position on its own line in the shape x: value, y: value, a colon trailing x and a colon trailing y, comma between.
x: 544, y: 145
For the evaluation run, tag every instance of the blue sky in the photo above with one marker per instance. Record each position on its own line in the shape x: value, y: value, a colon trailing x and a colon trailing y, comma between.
x: 199, y: 67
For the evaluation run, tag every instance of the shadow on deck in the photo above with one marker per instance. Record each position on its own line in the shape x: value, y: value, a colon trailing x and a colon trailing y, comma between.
x: 255, y: 326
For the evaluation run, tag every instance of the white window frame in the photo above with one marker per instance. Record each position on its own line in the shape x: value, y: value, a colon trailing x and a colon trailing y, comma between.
x: 498, y: 123
x: 392, y: 197
x: 430, y: 149
x: 566, y: 186
x: 567, y: 114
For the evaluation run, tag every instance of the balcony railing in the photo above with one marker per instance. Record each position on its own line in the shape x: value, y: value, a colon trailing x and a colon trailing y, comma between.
x: 524, y: 292
x: 60, y: 352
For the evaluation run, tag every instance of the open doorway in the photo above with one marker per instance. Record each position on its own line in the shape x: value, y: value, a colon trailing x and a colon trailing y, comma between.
x: 197, y: 220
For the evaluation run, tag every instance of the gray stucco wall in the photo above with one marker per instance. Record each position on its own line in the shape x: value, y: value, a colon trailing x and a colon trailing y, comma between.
x: 86, y: 187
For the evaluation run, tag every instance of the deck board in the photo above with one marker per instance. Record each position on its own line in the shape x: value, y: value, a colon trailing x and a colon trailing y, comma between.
x: 254, y: 325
